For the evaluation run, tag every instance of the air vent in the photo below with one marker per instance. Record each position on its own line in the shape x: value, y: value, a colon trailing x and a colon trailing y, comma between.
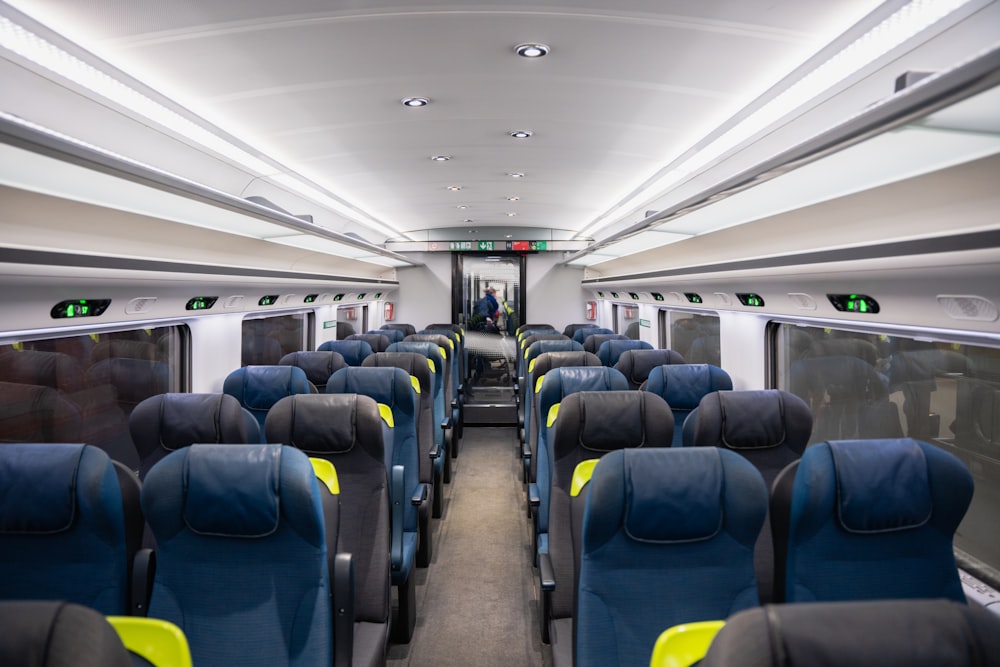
x: 139, y: 305
x: 290, y: 298
x: 967, y: 307
x: 802, y: 301
x: 723, y: 298
x: 233, y: 302
x: 675, y: 297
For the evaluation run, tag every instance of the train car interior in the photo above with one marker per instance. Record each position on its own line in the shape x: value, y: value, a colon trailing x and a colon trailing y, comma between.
x: 563, y: 333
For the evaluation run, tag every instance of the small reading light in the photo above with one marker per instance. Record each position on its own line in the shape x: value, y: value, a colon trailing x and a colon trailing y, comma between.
x: 415, y: 102
x: 462, y: 207
x: 515, y: 174
x: 511, y: 214
x: 440, y: 158
x: 531, y: 50
x: 521, y: 134
x: 514, y: 198
x: 454, y: 188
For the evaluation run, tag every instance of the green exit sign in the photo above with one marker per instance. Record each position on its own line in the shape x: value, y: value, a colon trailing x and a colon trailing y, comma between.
x: 644, y: 323
x: 485, y: 245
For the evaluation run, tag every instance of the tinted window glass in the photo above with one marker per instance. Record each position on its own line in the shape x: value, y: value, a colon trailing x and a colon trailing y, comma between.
x: 83, y: 388
x: 873, y: 386
x: 266, y: 340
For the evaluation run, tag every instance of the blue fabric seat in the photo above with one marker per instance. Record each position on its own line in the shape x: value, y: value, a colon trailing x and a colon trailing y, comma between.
x: 318, y: 365
x: 556, y: 385
x: 353, y: 351
x: 394, y: 335
x: 454, y: 397
x: 581, y: 334
x: 257, y: 388
x: 668, y: 538
x: 393, y: 388
x: 442, y: 421
x: 588, y: 425
x: 593, y: 342
x: 447, y: 384
x: 165, y: 423
x: 348, y: 431
x: 537, y: 367
x: 241, y: 554
x: 69, y: 526
x: 683, y: 386
x: 525, y: 386
x: 417, y: 366
x: 916, y: 633
x: 635, y: 365
x: 610, y: 351
x: 407, y: 329
x: 865, y: 519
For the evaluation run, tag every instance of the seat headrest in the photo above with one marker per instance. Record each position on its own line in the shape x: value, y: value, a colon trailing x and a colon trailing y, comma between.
x: 179, y: 420
x: 391, y: 386
x: 752, y: 419
x: 318, y: 365
x: 882, y: 485
x: 692, y: 509
x: 263, y: 386
x: 540, y: 347
x: 546, y: 361
x: 637, y: 364
x: 327, y: 424
x: 684, y: 385
x: 608, y: 420
x: 44, y: 633
x: 232, y: 491
x: 570, y: 379
x: 353, y: 351
x: 38, y: 487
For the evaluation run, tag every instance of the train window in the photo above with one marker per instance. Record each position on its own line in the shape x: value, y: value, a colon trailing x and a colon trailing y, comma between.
x: 873, y: 386
x: 627, y: 320
x: 694, y: 336
x: 267, y: 339
x: 83, y: 388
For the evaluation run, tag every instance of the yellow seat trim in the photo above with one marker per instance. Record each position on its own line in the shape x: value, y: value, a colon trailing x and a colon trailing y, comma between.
x: 430, y: 362
x: 451, y: 343
x: 159, y: 642
x: 538, y: 383
x: 444, y: 352
x: 385, y: 412
x: 582, y: 473
x: 326, y: 473
x: 553, y: 415
x: 683, y: 645
x: 415, y: 382
x: 525, y: 354
x: 531, y: 364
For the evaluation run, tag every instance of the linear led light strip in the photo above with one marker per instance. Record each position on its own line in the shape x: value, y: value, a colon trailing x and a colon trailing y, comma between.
x: 907, y: 22
x: 30, y: 46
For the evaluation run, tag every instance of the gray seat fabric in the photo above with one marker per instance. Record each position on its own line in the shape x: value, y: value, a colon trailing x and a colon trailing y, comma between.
x: 58, y: 634
x: 635, y: 365
x: 915, y: 633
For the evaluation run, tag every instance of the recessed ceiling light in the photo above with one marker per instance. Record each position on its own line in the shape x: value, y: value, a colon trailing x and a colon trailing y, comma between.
x: 415, y: 101
x: 440, y: 158
x: 531, y: 50
x: 454, y: 188
x: 515, y: 174
x: 521, y: 134
x: 462, y: 207
x: 508, y: 236
x: 511, y: 214
x: 513, y: 198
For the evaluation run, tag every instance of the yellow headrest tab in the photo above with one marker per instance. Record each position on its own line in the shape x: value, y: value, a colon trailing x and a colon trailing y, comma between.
x: 553, y: 414
x: 538, y: 383
x: 685, y: 644
x: 415, y: 382
x: 385, y: 412
x: 326, y: 473
x: 531, y: 364
x: 444, y: 352
x: 581, y: 475
x: 430, y: 362
x: 158, y: 642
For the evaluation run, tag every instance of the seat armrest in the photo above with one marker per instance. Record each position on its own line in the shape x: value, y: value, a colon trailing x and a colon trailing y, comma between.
x: 435, y: 451
x: 342, y: 604
x: 420, y: 495
x: 533, y: 498
x: 397, y: 491
x: 141, y: 589
x: 447, y: 424
x: 546, y: 573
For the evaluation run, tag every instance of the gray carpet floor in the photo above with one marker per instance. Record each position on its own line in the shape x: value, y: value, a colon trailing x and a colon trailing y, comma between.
x: 477, y: 603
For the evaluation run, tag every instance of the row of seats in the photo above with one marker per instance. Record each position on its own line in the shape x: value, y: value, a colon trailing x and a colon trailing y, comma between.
x: 365, y: 437
x: 851, y: 520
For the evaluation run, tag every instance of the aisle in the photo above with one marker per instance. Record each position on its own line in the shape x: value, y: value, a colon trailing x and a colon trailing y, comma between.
x: 476, y: 603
